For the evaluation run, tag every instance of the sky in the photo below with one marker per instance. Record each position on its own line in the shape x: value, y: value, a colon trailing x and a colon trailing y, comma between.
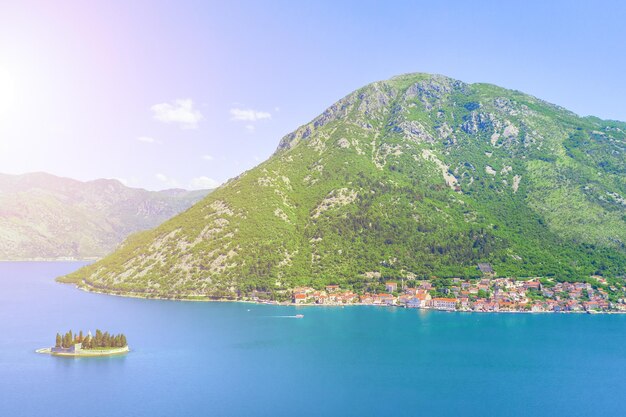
x: 163, y: 94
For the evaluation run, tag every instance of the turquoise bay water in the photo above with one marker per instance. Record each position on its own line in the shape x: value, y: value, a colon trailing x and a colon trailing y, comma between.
x: 235, y: 359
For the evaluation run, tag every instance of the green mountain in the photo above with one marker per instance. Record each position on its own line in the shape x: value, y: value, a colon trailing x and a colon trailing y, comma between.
x: 47, y: 217
x: 417, y: 176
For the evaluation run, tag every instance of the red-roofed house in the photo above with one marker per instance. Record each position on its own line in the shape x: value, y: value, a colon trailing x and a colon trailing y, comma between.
x: 332, y: 288
x: 535, y: 285
x: 444, y: 303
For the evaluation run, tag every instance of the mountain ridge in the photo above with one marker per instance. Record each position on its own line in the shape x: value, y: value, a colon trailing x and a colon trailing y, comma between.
x: 44, y: 216
x: 417, y: 176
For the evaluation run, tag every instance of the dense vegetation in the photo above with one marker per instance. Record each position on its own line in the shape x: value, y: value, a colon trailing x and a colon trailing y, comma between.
x: 99, y: 341
x: 415, y: 177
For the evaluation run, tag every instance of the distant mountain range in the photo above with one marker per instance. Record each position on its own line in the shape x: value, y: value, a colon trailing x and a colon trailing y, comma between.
x: 43, y: 216
x: 413, y: 177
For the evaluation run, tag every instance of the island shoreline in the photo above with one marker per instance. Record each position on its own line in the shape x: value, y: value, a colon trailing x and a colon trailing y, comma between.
x: 86, y: 353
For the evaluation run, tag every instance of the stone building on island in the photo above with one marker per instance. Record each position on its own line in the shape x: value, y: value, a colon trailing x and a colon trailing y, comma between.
x: 76, y: 347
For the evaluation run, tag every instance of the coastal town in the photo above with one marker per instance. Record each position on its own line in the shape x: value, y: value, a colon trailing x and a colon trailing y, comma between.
x: 481, y: 295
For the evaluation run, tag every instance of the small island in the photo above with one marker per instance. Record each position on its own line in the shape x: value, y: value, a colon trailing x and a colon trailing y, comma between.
x: 79, y: 345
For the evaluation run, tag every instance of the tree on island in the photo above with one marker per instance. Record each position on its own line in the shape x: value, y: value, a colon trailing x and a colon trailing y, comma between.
x: 101, y: 340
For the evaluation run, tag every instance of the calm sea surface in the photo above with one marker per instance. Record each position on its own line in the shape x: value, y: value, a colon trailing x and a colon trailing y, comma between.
x: 235, y: 359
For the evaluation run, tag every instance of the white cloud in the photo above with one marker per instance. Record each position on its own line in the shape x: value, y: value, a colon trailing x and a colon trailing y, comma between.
x: 167, y: 181
x: 146, y: 139
x: 180, y: 111
x: 203, y: 183
x: 207, y: 157
x: 248, y: 115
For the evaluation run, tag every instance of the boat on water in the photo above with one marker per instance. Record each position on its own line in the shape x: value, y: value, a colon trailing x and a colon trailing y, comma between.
x: 299, y: 316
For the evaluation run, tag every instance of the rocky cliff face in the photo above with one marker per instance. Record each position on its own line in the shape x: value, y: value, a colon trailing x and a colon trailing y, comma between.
x: 416, y: 176
x: 44, y: 216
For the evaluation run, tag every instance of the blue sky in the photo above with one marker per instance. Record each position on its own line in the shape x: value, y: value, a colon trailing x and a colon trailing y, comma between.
x: 189, y: 94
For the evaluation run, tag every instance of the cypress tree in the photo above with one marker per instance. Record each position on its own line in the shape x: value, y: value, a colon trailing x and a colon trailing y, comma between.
x: 106, y: 340
x: 87, y: 342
